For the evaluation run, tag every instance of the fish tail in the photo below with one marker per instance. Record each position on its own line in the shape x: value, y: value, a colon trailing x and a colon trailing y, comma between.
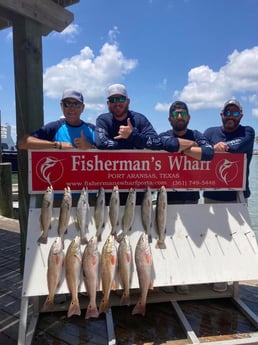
x: 161, y: 244
x: 42, y: 239
x: 84, y: 240
x: 125, y: 299
x: 103, y: 307
x: 92, y: 311
x: 74, y: 308
x: 139, y: 308
x: 49, y: 302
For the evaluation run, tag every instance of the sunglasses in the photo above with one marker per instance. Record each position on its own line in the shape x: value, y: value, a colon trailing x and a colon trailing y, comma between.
x: 231, y: 113
x: 120, y: 99
x: 175, y: 114
x: 68, y: 104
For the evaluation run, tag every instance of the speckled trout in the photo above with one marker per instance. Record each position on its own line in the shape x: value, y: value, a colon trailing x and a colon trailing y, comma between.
x: 65, y: 212
x: 90, y: 264
x: 108, y: 270
x: 83, y: 214
x: 146, y: 212
x: 54, y: 271
x: 73, y: 263
x: 114, y: 205
x: 161, y: 217
x: 99, y: 214
x: 129, y: 212
x: 143, y: 261
x: 124, y: 255
x: 46, y: 214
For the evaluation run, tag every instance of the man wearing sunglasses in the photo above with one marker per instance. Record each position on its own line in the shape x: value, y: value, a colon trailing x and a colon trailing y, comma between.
x: 187, y: 141
x: 234, y: 138
x: 122, y: 128
x: 66, y: 133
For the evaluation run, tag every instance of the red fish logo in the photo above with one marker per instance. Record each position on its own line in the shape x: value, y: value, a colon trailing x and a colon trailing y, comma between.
x: 49, y: 169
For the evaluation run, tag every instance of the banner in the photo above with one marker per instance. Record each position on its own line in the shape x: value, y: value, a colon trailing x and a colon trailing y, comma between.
x: 133, y: 168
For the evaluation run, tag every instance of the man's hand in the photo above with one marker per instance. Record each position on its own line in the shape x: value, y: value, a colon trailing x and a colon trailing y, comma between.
x: 82, y: 143
x: 125, y: 131
x: 220, y: 147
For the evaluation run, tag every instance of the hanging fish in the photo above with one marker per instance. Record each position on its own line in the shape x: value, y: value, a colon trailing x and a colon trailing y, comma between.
x: 161, y: 217
x: 129, y: 212
x: 90, y: 264
x: 99, y: 214
x: 143, y: 262
x: 54, y: 272
x: 108, y: 270
x: 46, y: 214
x: 65, y: 212
x: 146, y: 212
x: 83, y: 214
x: 114, y: 206
x: 73, y: 263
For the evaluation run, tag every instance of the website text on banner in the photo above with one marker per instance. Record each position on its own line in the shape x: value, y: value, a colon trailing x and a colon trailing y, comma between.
x: 137, y: 169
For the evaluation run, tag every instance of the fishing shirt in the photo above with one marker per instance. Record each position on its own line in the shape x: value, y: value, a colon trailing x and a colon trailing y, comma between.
x: 61, y: 131
x: 143, y: 135
x: 171, y: 144
x: 239, y: 141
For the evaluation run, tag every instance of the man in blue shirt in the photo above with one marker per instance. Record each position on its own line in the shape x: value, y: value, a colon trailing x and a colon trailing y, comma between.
x: 68, y: 132
x: 187, y: 141
x: 122, y: 128
x: 234, y: 138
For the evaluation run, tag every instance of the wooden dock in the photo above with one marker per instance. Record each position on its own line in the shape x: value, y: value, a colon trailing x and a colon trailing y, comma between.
x: 211, y: 319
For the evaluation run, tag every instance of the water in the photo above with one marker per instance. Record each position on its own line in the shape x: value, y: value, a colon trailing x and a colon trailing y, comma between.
x: 253, y: 200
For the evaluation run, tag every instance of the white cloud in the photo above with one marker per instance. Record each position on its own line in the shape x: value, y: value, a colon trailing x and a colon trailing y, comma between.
x: 255, y: 112
x: 89, y: 73
x: 69, y: 33
x: 207, y: 88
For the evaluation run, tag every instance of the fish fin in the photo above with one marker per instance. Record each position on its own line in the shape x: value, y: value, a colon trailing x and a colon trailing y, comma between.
x: 92, y: 311
x: 103, y: 307
x: 139, y: 308
x: 84, y: 240
x: 48, y: 304
x: 74, y: 308
x: 42, y: 239
x: 161, y: 245
x: 125, y: 299
x: 99, y: 237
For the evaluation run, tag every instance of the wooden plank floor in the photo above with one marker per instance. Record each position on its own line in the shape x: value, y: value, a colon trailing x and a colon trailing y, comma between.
x: 211, y: 319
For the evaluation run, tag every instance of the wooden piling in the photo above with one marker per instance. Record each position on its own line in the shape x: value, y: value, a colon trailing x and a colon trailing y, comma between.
x: 6, y: 204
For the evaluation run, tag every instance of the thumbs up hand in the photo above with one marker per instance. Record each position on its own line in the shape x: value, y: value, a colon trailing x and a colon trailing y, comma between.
x: 82, y: 143
x: 125, y: 131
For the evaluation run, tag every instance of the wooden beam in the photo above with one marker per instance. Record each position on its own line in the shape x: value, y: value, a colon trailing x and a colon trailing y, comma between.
x: 45, y: 12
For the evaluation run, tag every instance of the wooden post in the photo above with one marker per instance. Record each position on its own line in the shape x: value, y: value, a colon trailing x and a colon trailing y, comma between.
x: 6, y: 202
x: 27, y: 44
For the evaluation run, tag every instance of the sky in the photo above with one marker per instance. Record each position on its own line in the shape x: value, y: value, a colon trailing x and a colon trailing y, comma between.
x: 202, y: 52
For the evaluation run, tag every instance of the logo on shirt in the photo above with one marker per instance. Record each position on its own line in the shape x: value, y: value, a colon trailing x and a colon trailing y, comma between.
x: 49, y: 169
x: 226, y: 171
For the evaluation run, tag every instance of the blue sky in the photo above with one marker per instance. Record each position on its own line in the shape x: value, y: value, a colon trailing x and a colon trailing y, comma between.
x: 202, y: 52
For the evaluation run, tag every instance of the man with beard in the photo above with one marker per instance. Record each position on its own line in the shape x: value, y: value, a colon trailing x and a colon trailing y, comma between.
x: 187, y: 141
x: 234, y: 138
x: 122, y: 128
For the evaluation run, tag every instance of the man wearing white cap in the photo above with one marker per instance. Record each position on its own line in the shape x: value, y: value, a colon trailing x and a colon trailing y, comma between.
x: 66, y: 133
x: 122, y: 128
x: 234, y: 138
